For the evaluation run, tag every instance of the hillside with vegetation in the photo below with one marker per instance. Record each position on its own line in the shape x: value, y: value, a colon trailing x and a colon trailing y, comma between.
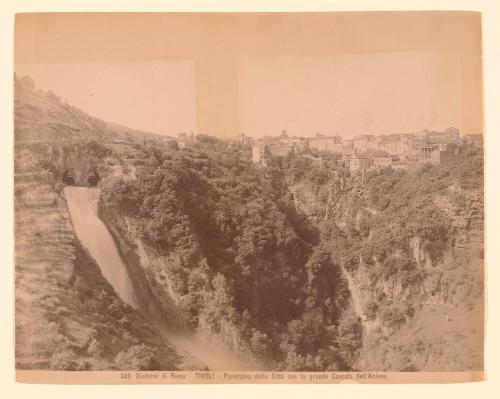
x: 293, y: 266
x: 244, y: 268
x: 410, y: 244
x: 330, y: 282
x: 67, y: 315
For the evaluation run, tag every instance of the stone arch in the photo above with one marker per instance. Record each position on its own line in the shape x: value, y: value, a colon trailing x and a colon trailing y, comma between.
x: 93, y: 179
x: 68, y: 177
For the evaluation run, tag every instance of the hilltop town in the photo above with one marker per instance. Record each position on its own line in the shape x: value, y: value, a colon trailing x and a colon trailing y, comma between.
x: 363, y: 152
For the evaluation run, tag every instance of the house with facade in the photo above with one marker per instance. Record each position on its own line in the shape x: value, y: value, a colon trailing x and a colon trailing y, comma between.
x: 326, y: 143
x: 357, y: 164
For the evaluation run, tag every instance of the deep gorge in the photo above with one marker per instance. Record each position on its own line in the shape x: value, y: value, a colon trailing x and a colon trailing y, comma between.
x: 295, y: 266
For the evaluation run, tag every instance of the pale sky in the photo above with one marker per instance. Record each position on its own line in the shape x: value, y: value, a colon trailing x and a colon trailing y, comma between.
x: 374, y: 93
x: 153, y: 96
x: 225, y: 74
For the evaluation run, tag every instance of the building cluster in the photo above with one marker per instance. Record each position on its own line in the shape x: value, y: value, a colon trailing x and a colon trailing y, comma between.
x: 368, y: 151
x: 276, y: 146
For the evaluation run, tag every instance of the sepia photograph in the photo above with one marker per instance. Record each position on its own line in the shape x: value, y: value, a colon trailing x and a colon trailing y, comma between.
x: 249, y: 197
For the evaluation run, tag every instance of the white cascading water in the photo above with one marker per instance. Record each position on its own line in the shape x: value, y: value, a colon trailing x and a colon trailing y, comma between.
x: 95, y: 237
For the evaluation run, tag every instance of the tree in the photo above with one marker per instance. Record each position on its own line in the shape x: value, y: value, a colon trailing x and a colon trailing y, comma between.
x: 52, y: 96
x: 172, y: 145
x: 27, y: 82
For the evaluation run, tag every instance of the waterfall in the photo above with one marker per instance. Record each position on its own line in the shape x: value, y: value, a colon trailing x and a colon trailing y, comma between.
x: 95, y: 237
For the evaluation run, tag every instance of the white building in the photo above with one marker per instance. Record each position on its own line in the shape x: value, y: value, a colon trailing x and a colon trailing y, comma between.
x: 257, y: 154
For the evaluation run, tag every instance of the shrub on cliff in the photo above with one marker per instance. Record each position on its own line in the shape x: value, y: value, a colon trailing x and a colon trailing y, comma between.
x: 64, y: 359
x: 395, y: 314
x: 138, y: 357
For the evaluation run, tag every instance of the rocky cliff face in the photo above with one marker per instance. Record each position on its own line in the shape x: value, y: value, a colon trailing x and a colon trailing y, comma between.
x: 149, y: 270
x: 164, y: 300
x: 446, y: 287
